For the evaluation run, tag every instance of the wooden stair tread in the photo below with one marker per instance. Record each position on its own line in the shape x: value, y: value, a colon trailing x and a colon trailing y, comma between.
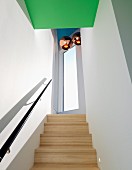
x: 69, y: 158
x: 67, y: 144
x: 65, y: 149
x: 66, y: 138
x: 66, y: 118
x: 67, y: 115
x: 65, y: 123
x: 69, y: 129
x: 69, y: 140
x: 66, y: 133
x: 63, y: 167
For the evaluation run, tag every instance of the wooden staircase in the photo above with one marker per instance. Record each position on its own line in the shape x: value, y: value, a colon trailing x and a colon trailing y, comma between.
x: 65, y: 144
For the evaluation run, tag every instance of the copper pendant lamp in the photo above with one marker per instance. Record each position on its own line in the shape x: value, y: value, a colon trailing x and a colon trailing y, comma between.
x: 76, y: 38
x: 66, y: 43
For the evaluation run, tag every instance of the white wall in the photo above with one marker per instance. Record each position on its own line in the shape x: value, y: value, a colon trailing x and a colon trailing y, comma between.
x: 108, y: 90
x: 123, y: 13
x: 26, y: 134
x: 25, y: 55
x: 25, y: 158
x: 25, y: 59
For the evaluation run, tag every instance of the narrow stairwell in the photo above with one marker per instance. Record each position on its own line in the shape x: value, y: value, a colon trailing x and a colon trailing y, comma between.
x: 65, y: 144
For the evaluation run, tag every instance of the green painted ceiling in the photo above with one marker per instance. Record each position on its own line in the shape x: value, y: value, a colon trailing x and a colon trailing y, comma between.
x: 46, y: 14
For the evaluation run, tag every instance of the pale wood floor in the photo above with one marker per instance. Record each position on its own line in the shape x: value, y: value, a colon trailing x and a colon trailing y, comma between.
x: 65, y: 144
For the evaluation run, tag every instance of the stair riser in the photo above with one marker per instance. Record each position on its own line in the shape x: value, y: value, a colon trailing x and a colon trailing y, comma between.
x: 61, y: 151
x: 66, y: 158
x: 65, y: 134
x: 43, y: 168
x: 67, y: 144
x: 66, y: 118
x: 66, y: 128
x: 64, y: 167
x: 66, y: 124
x: 65, y: 149
x: 66, y: 139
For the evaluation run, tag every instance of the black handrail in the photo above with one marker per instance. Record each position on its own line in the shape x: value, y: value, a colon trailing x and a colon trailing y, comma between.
x: 6, y: 147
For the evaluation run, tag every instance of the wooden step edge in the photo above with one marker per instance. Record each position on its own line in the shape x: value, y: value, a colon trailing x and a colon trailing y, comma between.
x: 65, y: 120
x: 66, y: 123
x: 62, y: 164
x: 66, y: 141
x: 64, y: 167
x: 66, y: 147
x: 67, y: 144
x: 90, y: 163
x: 70, y: 150
x: 72, y: 135
x: 41, y: 168
x: 50, y: 134
x: 66, y: 115
x: 64, y: 131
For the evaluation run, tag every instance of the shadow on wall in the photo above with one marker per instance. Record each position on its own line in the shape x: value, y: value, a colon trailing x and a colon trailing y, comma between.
x: 24, y: 9
x: 10, y: 115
